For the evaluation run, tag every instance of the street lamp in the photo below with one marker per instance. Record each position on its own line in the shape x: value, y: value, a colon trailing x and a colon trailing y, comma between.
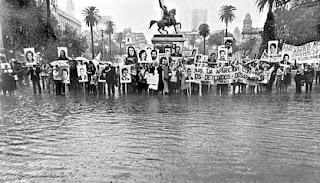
x: 102, y: 28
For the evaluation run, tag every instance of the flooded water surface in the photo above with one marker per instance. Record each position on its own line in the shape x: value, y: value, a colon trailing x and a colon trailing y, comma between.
x: 235, y: 138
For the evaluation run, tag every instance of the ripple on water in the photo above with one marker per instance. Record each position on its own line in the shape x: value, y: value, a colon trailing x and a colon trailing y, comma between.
x: 259, y: 138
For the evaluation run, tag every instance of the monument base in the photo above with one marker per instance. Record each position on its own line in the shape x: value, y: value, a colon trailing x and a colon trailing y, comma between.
x: 164, y: 42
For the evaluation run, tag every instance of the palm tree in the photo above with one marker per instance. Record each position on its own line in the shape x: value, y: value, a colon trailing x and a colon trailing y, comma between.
x: 204, y: 31
x: 91, y: 19
x: 109, y: 31
x: 269, y: 26
x: 227, y: 15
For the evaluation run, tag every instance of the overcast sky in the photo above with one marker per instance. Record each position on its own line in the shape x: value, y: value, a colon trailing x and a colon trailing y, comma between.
x: 137, y: 14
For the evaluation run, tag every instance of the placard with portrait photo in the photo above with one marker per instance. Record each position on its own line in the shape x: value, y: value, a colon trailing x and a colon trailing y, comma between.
x: 177, y: 51
x: 190, y: 73
x: 30, y: 55
x: 125, y: 74
x: 142, y: 57
x: 286, y: 57
x: 273, y: 48
x: 65, y: 75
x: 194, y: 52
x: 62, y: 53
x: 154, y: 54
x: 198, y: 59
x: 222, y: 54
x: 82, y: 73
x: 228, y: 43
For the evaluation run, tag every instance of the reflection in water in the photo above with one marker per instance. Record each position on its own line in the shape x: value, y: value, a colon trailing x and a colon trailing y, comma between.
x: 248, y: 138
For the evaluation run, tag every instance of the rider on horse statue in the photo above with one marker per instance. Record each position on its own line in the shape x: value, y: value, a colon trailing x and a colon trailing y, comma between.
x: 168, y: 19
x: 167, y: 16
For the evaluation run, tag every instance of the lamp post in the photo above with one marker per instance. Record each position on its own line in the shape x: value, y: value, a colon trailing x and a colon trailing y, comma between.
x: 102, y: 57
x: 1, y: 37
x: 102, y: 28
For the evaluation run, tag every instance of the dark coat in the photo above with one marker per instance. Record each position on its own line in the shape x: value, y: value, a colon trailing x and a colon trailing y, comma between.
x: 35, y: 73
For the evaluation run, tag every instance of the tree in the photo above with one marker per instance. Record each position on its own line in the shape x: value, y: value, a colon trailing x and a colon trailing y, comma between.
x: 294, y: 27
x: 268, y: 33
x: 119, y: 40
x: 91, y: 14
x: 193, y: 40
x: 248, y: 47
x: 110, y: 29
x: 217, y: 38
x: 227, y: 15
x: 76, y: 43
x: 204, y: 31
x: 26, y: 26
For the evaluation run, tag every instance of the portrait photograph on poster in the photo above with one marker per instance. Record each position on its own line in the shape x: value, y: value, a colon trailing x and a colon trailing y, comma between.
x: 29, y: 54
x: 177, y: 52
x: 228, y: 42
x: 273, y: 48
x: 154, y: 55
x: 142, y: 57
x: 212, y: 56
x: 222, y: 54
x: 286, y: 57
x: 82, y: 73
x: 125, y: 74
x: 190, y: 73
x: 65, y: 75
x: 132, y: 56
x: 62, y: 53
x: 198, y: 59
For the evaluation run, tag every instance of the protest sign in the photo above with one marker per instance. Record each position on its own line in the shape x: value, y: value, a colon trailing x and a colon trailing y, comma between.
x: 125, y: 74
x: 228, y: 42
x: 198, y: 74
x: 273, y: 48
x: 143, y: 57
x: 222, y: 54
x: 153, y: 81
x: 62, y: 52
x: 82, y: 73
x: 225, y: 75
x: 198, y: 59
x: 65, y: 75
x: 190, y: 77
x: 30, y: 57
x: 307, y: 53
x: 286, y: 57
x: 154, y: 55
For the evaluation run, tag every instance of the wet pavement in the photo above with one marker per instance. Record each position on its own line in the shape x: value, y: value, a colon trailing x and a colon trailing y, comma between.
x: 133, y: 138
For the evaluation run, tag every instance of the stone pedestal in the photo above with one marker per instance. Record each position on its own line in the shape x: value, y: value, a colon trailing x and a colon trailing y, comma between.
x: 164, y: 42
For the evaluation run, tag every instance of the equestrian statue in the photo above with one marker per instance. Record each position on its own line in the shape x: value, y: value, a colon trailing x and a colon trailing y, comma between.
x: 168, y: 19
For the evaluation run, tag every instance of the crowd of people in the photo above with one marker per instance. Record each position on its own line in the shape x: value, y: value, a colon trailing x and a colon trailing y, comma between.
x: 173, y: 72
x: 174, y: 77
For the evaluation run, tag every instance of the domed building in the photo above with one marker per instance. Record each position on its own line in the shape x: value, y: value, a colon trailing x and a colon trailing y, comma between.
x: 249, y: 32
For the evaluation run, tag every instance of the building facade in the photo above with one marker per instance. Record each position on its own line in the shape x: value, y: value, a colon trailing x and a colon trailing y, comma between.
x: 249, y: 32
x: 199, y: 16
x: 64, y: 16
x: 138, y: 40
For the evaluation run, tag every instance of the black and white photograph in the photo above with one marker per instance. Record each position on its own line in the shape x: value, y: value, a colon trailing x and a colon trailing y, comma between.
x: 159, y: 91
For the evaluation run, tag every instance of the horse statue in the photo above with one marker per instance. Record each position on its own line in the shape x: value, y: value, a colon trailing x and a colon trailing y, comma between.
x: 168, y: 20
